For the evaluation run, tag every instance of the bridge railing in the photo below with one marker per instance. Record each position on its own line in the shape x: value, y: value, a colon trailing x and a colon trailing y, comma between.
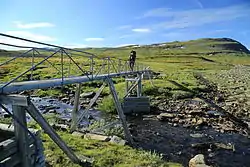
x: 55, y: 63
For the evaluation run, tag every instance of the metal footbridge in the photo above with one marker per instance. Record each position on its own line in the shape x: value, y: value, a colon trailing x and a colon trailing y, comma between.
x: 69, y: 70
x: 46, y: 66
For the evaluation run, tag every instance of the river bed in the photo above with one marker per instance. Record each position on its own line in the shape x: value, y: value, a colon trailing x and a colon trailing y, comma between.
x: 49, y: 105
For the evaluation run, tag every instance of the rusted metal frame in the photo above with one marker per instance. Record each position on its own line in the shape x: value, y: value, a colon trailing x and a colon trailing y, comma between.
x: 23, y: 73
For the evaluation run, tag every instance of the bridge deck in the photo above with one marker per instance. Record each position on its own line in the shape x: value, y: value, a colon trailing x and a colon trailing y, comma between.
x: 42, y: 84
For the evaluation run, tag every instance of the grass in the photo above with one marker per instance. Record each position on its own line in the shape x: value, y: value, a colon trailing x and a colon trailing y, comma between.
x: 104, y: 154
x: 172, y: 62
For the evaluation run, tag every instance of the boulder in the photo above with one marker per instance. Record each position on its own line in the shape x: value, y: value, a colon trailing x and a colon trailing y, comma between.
x: 79, y: 134
x: 165, y: 116
x: 198, y: 161
x: 200, y: 121
x: 117, y: 140
x: 87, y: 95
x: 197, y: 135
x: 65, y: 99
x: 96, y: 137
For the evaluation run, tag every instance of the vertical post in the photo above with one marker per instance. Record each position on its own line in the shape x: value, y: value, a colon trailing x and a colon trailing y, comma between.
x: 119, y: 65
x: 120, y: 111
x: 62, y: 66
x: 32, y: 63
x: 139, y: 85
x: 127, y: 86
x: 92, y: 66
x: 126, y: 66
x: 21, y: 135
x: 69, y: 67
x: 108, y: 65
x: 76, y: 107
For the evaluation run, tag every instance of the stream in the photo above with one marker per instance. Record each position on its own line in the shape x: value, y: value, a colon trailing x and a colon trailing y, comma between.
x: 49, y: 105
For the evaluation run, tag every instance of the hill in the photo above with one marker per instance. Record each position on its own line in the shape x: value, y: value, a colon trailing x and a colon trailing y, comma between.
x: 204, y: 46
x: 199, y: 47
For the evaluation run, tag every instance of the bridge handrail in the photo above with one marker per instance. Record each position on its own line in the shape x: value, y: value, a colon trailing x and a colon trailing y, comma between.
x: 97, y: 65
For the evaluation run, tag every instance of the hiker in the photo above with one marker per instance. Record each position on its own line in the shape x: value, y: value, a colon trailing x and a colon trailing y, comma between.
x: 132, y: 58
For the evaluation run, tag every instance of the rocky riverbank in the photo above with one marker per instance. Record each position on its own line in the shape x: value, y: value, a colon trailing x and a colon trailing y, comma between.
x: 214, y: 122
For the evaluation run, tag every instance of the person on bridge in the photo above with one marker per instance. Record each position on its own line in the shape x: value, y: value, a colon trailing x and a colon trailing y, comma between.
x: 132, y: 58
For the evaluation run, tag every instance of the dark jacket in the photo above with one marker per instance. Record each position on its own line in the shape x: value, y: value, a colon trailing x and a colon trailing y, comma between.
x: 132, y: 56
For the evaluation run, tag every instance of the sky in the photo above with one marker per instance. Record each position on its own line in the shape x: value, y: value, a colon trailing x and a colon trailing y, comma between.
x: 113, y: 23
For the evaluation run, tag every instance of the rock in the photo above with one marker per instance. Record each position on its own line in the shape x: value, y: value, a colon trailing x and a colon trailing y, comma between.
x: 199, y: 122
x: 65, y: 99
x: 198, y: 161
x: 175, y: 124
x: 195, y: 112
x: 197, y: 135
x: 62, y: 127
x: 41, y: 107
x: 117, y: 140
x: 53, y: 111
x: 214, y: 113
x: 194, y: 121
x: 47, y: 108
x: 211, y: 155
x: 87, y: 95
x: 85, y: 102
x: 176, y: 120
x: 165, y: 116
x: 79, y: 134
x: 181, y: 121
x: 96, y: 137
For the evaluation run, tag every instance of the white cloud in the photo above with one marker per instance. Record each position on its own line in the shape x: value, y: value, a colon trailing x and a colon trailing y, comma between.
x: 16, y: 42
x: 94, y: 39
x: 196, y: 17
x: 76, y: 46
x: 23, y: 34
x: 33, y: 25
x: 123, y: 45
x: 142, y: 30
x: 31, y: 36
x: 124, y: 27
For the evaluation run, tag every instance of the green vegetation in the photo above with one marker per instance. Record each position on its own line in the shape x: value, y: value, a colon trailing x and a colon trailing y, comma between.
x: 175, y: 61
x: 104, y: 154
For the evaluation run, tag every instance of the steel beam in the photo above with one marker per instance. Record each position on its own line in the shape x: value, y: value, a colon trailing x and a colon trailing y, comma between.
x: 42, y: 84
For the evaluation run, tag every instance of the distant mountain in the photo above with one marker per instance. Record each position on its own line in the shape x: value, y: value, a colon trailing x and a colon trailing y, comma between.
x: 204, y: 45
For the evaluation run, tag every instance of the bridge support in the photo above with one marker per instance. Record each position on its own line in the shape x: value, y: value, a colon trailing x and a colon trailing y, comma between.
x: 138, y: 103
x: 22, y: 103
x: 21, y: 135
x: 85, y: 112
x: 136, y: 83
x: 75, y: 110
x: 119, y: 109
